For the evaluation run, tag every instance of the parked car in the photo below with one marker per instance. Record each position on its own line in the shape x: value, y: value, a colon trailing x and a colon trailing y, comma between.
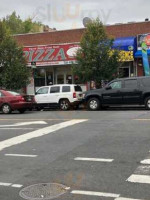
x: 63, y: 96
x: 10, y: 101
x: 126, y: 91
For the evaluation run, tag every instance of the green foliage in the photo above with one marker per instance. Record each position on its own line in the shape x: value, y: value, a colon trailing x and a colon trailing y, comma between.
x: 95, y: 59
x: 13, y: 71
x: 17, y: 26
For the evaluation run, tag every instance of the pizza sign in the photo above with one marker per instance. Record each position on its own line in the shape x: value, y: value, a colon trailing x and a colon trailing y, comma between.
x: 51, y: 54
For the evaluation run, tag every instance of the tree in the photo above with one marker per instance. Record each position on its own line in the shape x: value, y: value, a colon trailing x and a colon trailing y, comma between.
x: 16, y: 25
x: 14, y: 73
x: 96, y: 60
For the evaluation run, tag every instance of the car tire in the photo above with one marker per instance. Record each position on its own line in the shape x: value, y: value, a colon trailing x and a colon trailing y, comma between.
x: 21, y: 111
x: 38, y: 108
x: 93, y: 104
x: 64, y: 104
x: 6, y: 109
x: 147, y: 103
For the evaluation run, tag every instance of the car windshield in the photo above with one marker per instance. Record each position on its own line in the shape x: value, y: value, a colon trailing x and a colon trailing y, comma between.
x: 14, y: 93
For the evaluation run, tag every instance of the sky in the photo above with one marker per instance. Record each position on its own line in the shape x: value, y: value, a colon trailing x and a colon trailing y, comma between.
x: 68, y: 14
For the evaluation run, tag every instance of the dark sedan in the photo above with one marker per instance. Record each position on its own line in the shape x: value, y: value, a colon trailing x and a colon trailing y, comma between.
x: 10, y: 101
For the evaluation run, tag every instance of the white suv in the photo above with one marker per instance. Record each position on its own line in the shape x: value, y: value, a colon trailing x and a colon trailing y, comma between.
x: 62, y: 95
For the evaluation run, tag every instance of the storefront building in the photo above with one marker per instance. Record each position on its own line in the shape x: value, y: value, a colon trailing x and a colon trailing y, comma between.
x: 52, y: 54
x: 127, y: 48
x: 51, y: 63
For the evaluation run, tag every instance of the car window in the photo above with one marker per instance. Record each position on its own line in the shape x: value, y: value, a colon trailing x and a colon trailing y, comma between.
x: 146, y: 82
x: 55, y: 89
x: 66, y: 89
x: 43, y: 90
x: 14, y: 93
x: 116, y: 85
x: 131, y: 84
x: 78, y: 88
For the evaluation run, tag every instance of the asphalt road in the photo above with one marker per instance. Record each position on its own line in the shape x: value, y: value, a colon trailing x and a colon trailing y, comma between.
x: 96, y: 155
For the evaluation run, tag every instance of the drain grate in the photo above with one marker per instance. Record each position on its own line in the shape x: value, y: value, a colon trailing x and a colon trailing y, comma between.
x: 43, y: 191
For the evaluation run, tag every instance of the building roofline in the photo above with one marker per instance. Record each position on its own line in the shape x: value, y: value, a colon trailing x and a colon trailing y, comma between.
x: 126, y: 23
x: 107, y: 25
x: 48, y: 32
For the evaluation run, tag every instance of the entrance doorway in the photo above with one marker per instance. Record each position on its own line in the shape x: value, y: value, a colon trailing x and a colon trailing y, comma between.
x: 124, y: 72
x: 60, y: 79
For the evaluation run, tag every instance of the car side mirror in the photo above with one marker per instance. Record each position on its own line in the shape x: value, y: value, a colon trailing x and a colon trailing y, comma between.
x: 108, y: 87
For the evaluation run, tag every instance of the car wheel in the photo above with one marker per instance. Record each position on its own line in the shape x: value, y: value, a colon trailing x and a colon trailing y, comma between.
x: 6, y: 109
x: 21, y: 111
x: 64, y: 104
x: 147, y: 103
x: 93, y: 104
x: 38, y: 108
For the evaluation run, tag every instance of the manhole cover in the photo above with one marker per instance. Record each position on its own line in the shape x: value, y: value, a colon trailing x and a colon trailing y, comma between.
x: 43, y: 191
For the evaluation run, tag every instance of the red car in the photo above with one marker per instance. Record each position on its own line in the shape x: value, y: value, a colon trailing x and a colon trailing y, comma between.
x: 10, y: 101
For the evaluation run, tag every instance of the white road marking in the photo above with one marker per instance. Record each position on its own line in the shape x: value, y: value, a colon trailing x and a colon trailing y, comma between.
x: 38, y: 133
x: 5, y: 184
x: 94, y: 159
x: 91, y: 193
x: 142, y: 119
x: 24, y: 124
x: 122, y: 198
x: 139, y: 179
x: 11, y: 185
x: 21, y: 155
x: 146, y: 162
x: 16, y: 186
x: 18, y: 128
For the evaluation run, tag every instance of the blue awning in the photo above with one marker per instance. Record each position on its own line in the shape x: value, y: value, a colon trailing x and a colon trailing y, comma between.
x: 125, y: 44
x: 138, y: 54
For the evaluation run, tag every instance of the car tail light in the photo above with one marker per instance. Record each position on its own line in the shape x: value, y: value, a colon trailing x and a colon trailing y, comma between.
x: 20, y: 98
x: 74, y: 95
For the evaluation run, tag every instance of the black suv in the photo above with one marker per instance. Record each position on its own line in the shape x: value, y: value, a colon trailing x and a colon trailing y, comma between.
x: 125, y: 91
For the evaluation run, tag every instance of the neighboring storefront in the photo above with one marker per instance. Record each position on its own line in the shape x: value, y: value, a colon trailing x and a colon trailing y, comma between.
x: 127, y: 48
x: 138, y: 54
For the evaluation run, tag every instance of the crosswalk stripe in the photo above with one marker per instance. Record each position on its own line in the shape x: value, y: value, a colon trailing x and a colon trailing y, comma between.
x: 139, y: 179
x: 146, y: 162
x: 21, y: 155
x: 38, y: 133
x: 122, y: 198
x: 16, y: 186
x: 5, y: 184
x: 10, y: 185
x: 93, y: 159
x: 91, y: 193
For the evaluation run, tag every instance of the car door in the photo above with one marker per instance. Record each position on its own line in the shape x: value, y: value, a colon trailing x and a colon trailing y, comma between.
x: 54, y: 94
x: 131, y: 92
x: 112, y: 94
x: 42, y: 95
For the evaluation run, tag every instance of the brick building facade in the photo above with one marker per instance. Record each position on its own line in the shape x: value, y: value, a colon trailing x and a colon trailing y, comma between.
x: 55, y: 45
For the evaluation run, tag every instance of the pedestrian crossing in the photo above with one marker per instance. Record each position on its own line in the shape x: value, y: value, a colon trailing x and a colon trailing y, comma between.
x: 140, y: 176
x: 142, y: 173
